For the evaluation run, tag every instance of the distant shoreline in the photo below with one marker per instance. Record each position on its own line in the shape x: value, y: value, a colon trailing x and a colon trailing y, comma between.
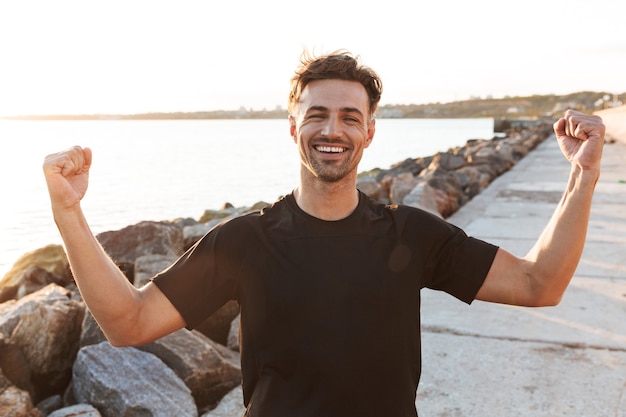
x: 505, y: 108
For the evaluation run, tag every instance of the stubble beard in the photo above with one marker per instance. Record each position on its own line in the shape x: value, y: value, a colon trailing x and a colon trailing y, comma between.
x: 332, y: 172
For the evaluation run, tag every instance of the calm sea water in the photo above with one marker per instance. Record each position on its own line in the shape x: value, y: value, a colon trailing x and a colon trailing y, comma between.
x: 161, y: 170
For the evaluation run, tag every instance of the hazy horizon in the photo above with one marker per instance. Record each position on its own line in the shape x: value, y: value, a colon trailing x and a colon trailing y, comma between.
x: 251, y: 110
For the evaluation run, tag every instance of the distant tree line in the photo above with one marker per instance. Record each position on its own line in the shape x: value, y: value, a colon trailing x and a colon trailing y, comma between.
x: 537, y: 106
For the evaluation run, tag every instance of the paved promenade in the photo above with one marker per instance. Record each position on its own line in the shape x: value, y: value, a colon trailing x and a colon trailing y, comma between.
x: 489, y: 360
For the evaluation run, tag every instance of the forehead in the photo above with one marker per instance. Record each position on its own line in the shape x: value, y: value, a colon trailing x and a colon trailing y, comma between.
x: 334, y: 94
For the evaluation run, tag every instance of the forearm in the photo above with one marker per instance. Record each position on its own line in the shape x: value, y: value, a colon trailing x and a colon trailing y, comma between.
x: 554, y: 258
x: 110, y: 297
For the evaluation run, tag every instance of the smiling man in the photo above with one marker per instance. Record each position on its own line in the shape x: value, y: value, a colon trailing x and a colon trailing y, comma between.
x: 328, y: 280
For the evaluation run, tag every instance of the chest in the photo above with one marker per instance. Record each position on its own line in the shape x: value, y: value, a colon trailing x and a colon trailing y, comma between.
x: 321, y: 278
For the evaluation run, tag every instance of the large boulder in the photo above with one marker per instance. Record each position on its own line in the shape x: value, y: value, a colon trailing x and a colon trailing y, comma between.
x: 45, y: 326
x: 129, y: 382
x: 449, y: 195
x: 425, y: 197
x: 400, y: 186
x: 145, y: 238
x: 208, y: 371
x: 34, y: 270
x: 147, y: 266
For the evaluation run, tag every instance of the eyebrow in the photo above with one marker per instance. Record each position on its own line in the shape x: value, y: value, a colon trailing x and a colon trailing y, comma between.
x: 342, y: 109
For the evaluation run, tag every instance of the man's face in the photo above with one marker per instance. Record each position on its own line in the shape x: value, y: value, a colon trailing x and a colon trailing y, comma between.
x: 331, y: 126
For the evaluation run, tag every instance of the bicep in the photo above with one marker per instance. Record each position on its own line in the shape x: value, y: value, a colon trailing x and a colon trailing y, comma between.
x: 159, y: 317
x: 507, y: 281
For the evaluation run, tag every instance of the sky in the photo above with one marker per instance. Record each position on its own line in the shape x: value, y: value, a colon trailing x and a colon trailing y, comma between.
x: 136, y: 56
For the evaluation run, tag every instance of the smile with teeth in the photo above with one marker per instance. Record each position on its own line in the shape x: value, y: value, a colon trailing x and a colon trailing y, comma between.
x: 329, y: 149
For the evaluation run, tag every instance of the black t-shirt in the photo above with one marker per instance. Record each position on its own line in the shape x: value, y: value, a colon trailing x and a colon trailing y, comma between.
x: 330, y: 310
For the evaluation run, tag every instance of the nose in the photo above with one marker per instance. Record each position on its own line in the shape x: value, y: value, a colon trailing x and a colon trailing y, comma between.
x: 332, y: 128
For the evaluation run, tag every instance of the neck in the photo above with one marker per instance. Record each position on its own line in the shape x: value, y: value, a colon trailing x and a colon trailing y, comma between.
x: 327, y: 201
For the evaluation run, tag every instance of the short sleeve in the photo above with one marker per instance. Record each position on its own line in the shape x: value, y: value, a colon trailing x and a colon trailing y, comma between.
x: 205, y: 277
x: 461, y: 265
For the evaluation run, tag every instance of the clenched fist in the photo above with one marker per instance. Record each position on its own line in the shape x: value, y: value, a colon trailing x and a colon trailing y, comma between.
x: 67, y: 176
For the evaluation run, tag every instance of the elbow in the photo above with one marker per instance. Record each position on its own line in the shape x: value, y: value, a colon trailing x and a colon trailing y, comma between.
x: 547, y: 290
x: 118, y: 336
x: 555, y: 300
x: 547, y: 299
x: 551, y: 301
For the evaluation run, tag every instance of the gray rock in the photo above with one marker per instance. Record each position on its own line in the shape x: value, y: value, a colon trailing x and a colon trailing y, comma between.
x: 400, y: 186
x: 46, y: 326
x: 194, y: 232
x: 129, y: 382
x: 147, y: 266
x: 202, y: 367
x: 145, y: 238
x: 424, y: 197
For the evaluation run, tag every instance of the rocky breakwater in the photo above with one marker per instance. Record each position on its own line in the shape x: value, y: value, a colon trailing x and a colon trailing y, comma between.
x: 55, y: 361
x: 444, y: 182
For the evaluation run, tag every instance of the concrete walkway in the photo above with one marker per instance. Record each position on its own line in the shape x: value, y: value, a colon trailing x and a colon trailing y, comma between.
x: 489, y: 360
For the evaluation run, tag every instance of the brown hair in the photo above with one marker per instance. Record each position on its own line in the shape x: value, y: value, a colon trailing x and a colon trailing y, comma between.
x: 338, y: 65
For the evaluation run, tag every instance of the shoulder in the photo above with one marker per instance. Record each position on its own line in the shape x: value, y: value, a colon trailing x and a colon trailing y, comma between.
x: 412, y: 224
x: 251, y: 223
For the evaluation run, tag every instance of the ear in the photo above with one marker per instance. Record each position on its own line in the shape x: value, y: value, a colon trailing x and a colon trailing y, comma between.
x: 292, y: 128
x: 371, y: 129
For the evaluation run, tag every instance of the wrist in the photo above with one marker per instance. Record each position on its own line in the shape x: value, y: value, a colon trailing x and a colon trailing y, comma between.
x: 67, y: 216
x: 585, y: 175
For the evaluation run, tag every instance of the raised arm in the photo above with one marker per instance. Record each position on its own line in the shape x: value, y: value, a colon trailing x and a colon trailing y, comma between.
x: 541, y: 277
x: 127, y: 315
